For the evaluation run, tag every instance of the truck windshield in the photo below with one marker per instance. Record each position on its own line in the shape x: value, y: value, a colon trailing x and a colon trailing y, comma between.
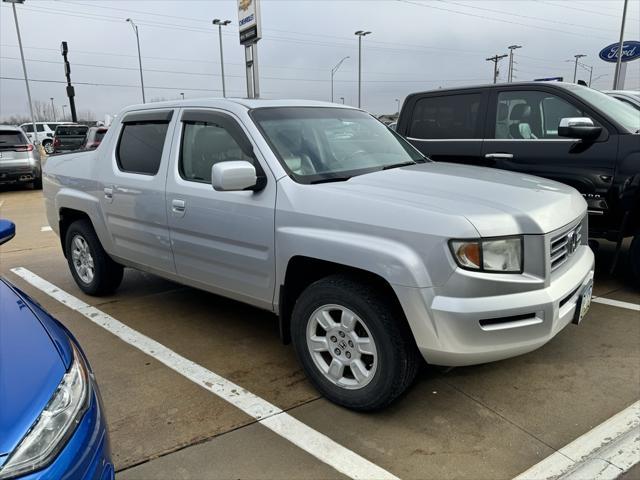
x: 619, y: 111
x: 318, y: 144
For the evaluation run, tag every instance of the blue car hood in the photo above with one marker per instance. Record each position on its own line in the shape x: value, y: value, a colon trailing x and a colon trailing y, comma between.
x: 32, y: 365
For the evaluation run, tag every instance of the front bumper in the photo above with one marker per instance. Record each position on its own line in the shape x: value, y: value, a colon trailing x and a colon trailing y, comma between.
x: 456, y: 331
x: 87, y: 454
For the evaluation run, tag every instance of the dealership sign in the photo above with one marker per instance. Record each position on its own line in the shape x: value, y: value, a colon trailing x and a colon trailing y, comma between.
x: 630, y: 51
x: 249, y: 21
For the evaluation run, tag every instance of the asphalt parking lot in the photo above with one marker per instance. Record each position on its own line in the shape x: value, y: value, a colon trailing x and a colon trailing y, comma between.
x: 491, y: 421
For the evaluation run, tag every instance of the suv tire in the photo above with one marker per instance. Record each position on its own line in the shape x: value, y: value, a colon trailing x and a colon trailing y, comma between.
x: 365, y: 333
x: 92, y: 268
x: 48, y: 147
x: 634, y: 256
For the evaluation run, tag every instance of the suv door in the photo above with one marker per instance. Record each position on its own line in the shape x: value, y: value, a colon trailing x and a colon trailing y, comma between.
x: 222, y: 241
x: 133, y: 190
x: 446, y: 126
x: 522, y: 135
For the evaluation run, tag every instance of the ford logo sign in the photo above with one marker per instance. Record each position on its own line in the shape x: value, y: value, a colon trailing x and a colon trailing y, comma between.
x: 630, y: 51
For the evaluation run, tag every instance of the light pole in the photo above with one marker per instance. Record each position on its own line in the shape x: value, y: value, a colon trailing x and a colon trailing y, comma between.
x: 64, y: 115
x: 135, y: 30
x: 511, y: 49
x: 398, y: 110
x: 575, y: 68
x: 342, y: 98
x: 360, y: 34
x: 616, y: 77
x: 220, y: 24
x: 182, y: 95
x: 333, y: 72
x: 53, y: 109
x: 24, y: 67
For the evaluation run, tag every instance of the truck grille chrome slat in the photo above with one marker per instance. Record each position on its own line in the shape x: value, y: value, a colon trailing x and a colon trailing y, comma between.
x: 563, y: 246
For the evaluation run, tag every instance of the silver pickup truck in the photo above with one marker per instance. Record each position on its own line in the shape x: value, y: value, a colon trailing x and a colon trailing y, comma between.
x: 371, y: 255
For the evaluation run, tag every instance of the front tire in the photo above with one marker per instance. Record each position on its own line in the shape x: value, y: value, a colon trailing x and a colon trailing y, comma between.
x: 92, y: 268
x: 634, y: 257
x: 353, y: 343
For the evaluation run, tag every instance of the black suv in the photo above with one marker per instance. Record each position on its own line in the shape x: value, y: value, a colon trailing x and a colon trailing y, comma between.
x: 565, y: 132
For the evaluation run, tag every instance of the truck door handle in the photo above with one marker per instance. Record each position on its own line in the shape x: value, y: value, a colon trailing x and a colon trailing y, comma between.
x: 108, y: 193
x: 499, y: 156
x: 178, y: 206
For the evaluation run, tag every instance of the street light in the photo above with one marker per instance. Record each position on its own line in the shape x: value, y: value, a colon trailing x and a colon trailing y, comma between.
x: 220, y: 24
x: 64, y: 115
x: 333, y: 72
x: 53, y: 109
x: 182, y: 94
x: 616, y: 76
x: 398, y: 102
x: 342, y: 98
x: 24, y: 67
x: 360, y: 34
x: 135, y: 30
x: 510, y: 73
x: 575, y: 69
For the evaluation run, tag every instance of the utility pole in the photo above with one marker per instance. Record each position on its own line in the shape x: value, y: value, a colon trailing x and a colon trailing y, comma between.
x: 53, y: 109
x: 510, y: 73
x: 575, y: 68
x: 333, y: 72
x: 495, y: 59
x: 135, y: 30
x: 71, y: 93
x: 24, y: 68
x: 360, y: 34
x: 220, y: 24
x: 616, y: 77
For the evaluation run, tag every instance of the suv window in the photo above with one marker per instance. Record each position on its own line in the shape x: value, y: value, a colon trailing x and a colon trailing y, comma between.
x: 28, y: 127
x: 531, y: 115
x: 11, y: 138
x: 39, y: 127
x: 446, y: 117
x: 205, y: 143
x: 140, y: 147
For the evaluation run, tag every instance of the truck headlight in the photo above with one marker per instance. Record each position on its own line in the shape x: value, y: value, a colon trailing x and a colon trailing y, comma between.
x: 55, y: 425
x: 496, y: 255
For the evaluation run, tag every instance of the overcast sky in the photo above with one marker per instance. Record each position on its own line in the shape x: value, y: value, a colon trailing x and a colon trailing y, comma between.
x: 415, y: 45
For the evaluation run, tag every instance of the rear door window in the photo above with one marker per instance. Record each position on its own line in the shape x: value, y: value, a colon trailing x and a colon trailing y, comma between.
x: 140, y: 147
x: 74, y: 130
x: 447, y: 117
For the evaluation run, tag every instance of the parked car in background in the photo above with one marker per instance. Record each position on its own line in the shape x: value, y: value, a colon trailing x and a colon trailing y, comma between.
x: 565, y: 132
x: 45, y: 132
x: 51, y: 419
x: 19, y: 159
x: 631, y: 97
x: 68, y: 138
x: 93, y: 138
x: 370, y: 254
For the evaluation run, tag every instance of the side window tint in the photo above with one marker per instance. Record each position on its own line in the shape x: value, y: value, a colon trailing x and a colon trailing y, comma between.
x: 531, y: 115
x: 205, y: 143
x: 448, y: 117
x: 39, y: 127
x: 140, y: 147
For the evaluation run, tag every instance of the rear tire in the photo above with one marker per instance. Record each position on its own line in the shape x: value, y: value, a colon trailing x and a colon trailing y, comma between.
x: 634, y: 257
x: 91, y: 267
x: 48, y: 147
x: 365, y: 366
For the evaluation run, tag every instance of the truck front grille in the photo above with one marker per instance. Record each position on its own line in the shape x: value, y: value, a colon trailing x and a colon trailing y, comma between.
x: 564, y: 245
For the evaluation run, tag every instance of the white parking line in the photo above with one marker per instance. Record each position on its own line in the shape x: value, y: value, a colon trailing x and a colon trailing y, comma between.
x: 313, y: 442
x: 46, y: 229
x: 617, y: 303
x: 605, y: 452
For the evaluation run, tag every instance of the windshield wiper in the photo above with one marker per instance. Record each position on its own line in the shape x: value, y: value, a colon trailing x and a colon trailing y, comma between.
x: 329, y: 179
x: 396, y: 165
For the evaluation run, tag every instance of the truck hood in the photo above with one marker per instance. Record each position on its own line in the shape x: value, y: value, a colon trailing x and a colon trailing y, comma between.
x: 31, y: 367
x: 496, y: 202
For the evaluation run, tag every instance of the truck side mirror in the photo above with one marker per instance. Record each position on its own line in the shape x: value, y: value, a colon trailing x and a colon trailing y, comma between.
x: 7, y: 231
x: 578, y: 127
x: 234, y: 175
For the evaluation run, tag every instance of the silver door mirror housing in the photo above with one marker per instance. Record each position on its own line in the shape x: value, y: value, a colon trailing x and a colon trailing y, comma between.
x: 233, y: 176
x: 578, y: 127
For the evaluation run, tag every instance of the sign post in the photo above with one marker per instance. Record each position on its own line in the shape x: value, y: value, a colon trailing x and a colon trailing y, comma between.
x: 250, y: 33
